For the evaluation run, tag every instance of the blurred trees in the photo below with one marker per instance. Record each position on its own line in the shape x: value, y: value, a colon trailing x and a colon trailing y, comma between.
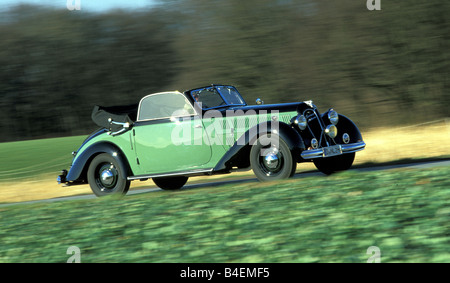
x: 55, y: 65
x: 378, y: 67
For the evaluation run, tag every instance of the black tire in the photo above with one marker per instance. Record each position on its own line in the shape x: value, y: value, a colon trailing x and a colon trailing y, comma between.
x: 271, y: 159
x: 334, y: 164
x: 106, y: 177
x: 170, y: 183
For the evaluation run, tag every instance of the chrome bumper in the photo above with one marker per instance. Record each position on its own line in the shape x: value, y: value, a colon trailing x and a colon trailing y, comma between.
x: 346, y: 148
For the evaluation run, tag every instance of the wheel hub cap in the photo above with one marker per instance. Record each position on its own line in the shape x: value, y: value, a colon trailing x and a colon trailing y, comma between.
x: 271, y: 160
x: 108, y: 176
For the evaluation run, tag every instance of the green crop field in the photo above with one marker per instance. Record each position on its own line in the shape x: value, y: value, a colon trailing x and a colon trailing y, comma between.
x: 25, y: 159
x: 403, y: 212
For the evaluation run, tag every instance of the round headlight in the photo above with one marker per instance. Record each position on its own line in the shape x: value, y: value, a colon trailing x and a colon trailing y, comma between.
x: 333, y: 116
x: 331, y: 131
x: 301, y: 122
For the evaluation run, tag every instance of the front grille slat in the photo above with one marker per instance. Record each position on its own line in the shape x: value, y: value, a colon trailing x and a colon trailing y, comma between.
x: 315, y: 121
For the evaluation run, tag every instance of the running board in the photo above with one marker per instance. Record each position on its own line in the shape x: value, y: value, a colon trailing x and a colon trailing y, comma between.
x: 188, y: 173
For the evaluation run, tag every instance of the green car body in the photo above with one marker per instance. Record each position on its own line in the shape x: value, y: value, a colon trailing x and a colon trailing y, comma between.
x: 171, y: 136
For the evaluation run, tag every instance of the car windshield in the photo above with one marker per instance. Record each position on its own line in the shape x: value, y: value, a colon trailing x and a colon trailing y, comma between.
x: 217, y: 96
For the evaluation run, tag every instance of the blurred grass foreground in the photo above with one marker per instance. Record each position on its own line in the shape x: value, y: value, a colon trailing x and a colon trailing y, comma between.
x: 404, y: 213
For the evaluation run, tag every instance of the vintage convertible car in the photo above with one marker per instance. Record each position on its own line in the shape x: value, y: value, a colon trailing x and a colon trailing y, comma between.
x: 171, y: 136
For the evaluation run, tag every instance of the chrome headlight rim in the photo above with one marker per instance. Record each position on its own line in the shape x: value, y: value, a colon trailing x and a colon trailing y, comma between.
x: 301, y: 122
x: 333, y: 117
x: 314, y: 143
x: 331, y: 131
x: 346, y: 138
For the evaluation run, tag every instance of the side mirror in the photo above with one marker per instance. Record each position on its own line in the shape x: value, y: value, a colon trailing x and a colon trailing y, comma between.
x: 259, y: 101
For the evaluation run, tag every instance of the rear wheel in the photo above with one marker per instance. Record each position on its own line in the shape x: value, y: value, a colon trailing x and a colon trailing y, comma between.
x: 334, y: 164
x: 105, y: 176
x: 271, y: 159
x: 170, y: 183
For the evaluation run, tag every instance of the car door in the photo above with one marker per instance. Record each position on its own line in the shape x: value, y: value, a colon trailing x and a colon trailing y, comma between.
x: 168, y: 135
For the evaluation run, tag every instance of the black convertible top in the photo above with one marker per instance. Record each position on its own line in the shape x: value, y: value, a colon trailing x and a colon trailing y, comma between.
x: 123, y: 114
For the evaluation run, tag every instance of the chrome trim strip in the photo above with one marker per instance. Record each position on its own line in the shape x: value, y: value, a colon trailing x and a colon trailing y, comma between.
x: 180, y: 173
x: 346, y: 148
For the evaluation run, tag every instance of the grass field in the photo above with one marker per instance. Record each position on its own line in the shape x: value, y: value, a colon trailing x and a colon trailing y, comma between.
x: 25, y: 160
x: 403, y: 212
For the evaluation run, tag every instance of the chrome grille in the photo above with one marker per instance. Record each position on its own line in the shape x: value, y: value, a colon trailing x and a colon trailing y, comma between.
x: 311, y: 115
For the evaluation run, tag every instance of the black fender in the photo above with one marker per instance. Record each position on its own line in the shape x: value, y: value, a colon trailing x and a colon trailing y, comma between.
x: 345, y: 125
x: 79, y: 167
x: 238, y: 154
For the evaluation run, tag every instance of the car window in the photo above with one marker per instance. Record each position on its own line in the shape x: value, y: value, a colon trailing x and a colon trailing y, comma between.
x: 164, y: 105
x: 217, y: 96
x: 209, y: 97
x: 231, y: 95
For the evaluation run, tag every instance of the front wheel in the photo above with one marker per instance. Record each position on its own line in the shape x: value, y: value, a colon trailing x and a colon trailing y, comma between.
x: 271, y: 159
x: 334, y: 164
x: 170, y: 183
x: 105, y: 176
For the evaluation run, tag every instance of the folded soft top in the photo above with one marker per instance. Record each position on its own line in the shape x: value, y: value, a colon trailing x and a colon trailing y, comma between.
x: 101, y: 115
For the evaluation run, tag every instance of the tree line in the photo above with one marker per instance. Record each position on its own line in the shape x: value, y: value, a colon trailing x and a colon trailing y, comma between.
x: 380, y: 68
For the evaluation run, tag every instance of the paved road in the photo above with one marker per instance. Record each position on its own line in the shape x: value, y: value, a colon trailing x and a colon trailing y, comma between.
x: 248, y: 180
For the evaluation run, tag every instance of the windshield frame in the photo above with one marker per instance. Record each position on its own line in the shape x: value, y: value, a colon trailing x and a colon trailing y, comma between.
x: 216, y: 89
